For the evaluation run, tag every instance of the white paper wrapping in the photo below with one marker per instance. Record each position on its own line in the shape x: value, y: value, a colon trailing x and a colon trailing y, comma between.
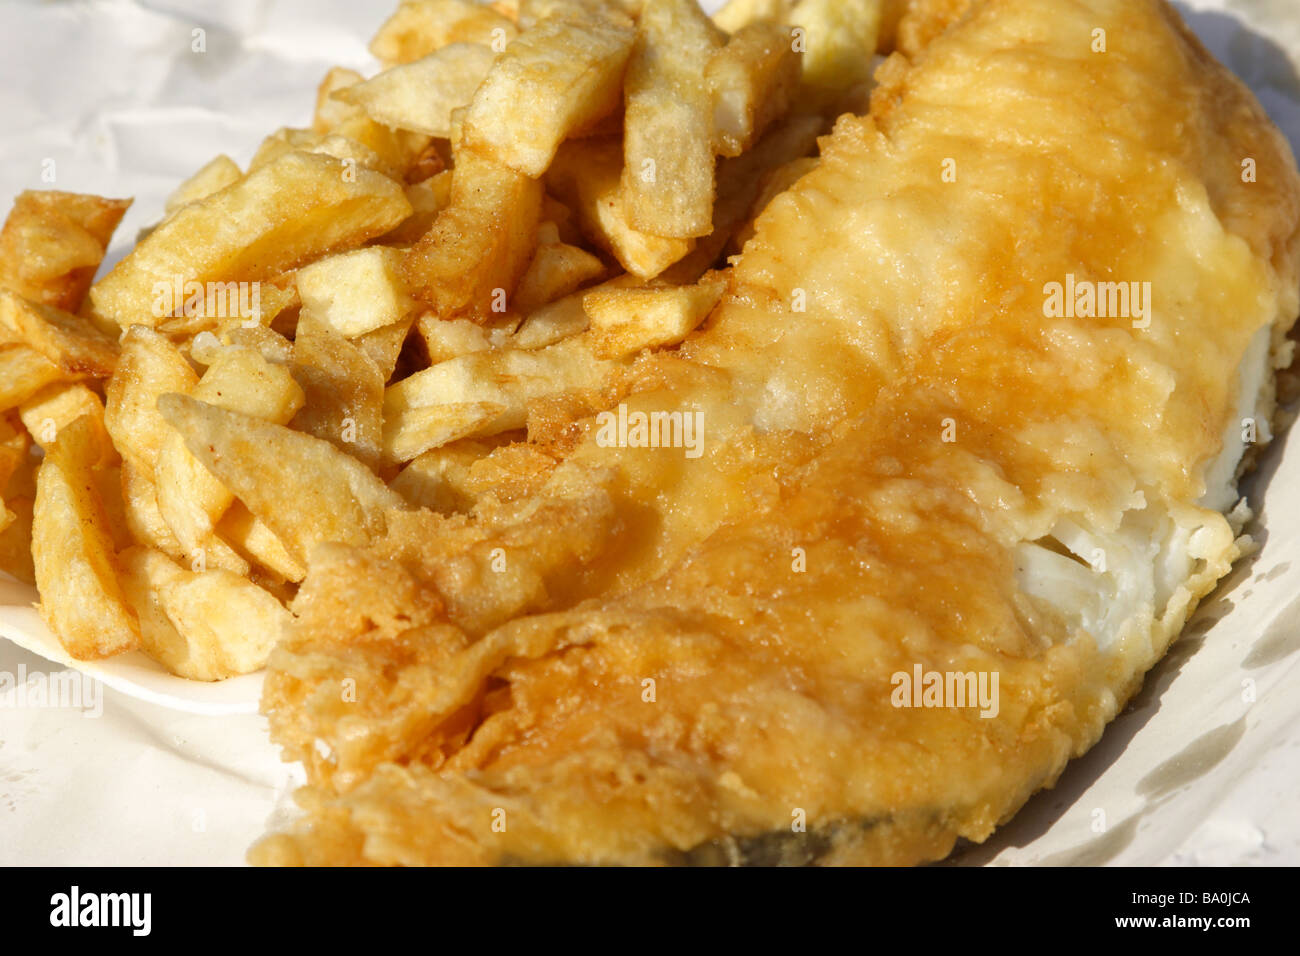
x: 116, y: 97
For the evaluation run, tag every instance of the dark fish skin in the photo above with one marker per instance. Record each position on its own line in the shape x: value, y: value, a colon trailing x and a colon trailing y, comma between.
x: 775, y: 848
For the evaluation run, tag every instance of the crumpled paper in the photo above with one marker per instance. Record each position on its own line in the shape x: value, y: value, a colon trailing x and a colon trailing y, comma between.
x: 125, y: 98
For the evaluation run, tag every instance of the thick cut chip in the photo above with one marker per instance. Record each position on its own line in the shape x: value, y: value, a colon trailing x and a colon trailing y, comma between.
x: 557, y: 79
x: 740, y: 181
x: 428, y: 198
x: 15, y: 449
x: 72, y: 549
x: 557, y: 269
x: 286, y: 140
x: 446, y: 339
x: 149, y: 366
x: 587, y: 175
x: 225, y: 306
x: 23, y: 373
x: 217, y: 174
x: 738, y: 14
x: 533, y: 12
x: 258, y: 544
x: 356, y: 292
x: 668, y: 127
x: 625, y: 321
x: 562, y: 319
x: 268, y: 343
x: 419, y: 27
x: 72, y: 342
x: 144, y: 521
x: 344, y: 391
x: 565, y: 318
x: 191, y: 498
x: 384, y: 346
x: 304, y: 489
x: 470, y: 261
x: 836, y: 32
x: 752, y: 81
x: 420, y: 429
x: 421, y: 96
x: 17, y: 490
x: 398, y: 149
x: 357, y: 140
x: 57, y: 406
x: 507, y: 379
x: 53, y: 242
x: 289, y: 212
x: 206, y: 625
x: 331, y: 111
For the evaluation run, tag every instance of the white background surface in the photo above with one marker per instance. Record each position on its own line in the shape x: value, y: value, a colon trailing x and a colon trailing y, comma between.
x: 112, y: 92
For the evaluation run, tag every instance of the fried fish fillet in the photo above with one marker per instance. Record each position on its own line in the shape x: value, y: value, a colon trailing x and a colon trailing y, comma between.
x: 917, y: 452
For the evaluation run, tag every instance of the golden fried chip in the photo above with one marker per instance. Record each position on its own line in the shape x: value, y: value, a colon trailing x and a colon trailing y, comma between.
x: 668, y: 175
x: 55, y: 407
x: 331, y: 111
x: 190, y: 498
x: 587, y: 175
x: 356, y: 292
x: 421, y: 95
x: 446, y: 339
x: 206, y: 625
x: 304, y: 489
x: 149, y: 366
x: 384, y: 346
x: 72, y: 548
x: 470, y: 261
x: 53, y: 242
x: 344, y: 391
x: 738, y: 14
x: 419, y: 27
x: 625, y: 321
x: 289, y: 212
x: 23, y: 373
x: 217, y: 174
x: 557, y: 269
x: 144, y: 521
x: 752, y: 81
x: 16, y: 540
x: 258, y: 544
x: 427, y: 198
x: 73, y: 343
x: 556, y: 79
x: 476, y: 384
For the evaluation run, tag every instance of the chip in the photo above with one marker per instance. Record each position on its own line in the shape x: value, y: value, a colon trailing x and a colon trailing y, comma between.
x: 422, y: 95
x: 479, y: 247
x: 420, y: 27
x: 668, y: 175
x: 304, y: 489
x: 286, y: 214
x: 73, y: 552
x: 53, y: 242
x: 556, y: 79
x: 625, y: 321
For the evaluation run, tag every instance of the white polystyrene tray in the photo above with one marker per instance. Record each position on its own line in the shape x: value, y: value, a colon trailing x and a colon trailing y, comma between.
x: 134, y: 673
